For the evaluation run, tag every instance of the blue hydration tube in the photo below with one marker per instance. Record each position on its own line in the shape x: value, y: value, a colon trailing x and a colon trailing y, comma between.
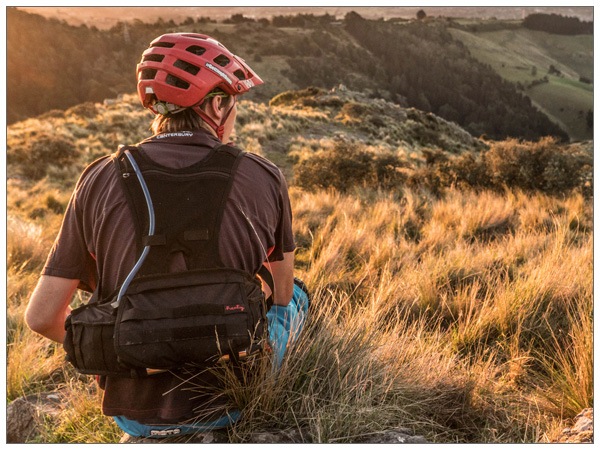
x: 151, y: 227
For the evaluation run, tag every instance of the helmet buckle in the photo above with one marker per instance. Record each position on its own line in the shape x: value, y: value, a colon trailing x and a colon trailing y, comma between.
x: 161, y: 108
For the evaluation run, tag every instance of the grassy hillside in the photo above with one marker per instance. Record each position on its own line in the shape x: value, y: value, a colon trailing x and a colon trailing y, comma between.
x: 452, y: 278
x: 524, y: 56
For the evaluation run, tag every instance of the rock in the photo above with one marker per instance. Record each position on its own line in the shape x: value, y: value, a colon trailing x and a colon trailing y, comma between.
x: 277, y: 437
x: 582, y: 431
x: 396, y: 436
x: 584, y: 421
x: 21, y: 421
x: 25, y: 415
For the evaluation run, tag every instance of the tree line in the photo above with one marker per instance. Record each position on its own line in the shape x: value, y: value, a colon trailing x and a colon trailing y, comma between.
x: 557, y: 24
x: 52, y: 65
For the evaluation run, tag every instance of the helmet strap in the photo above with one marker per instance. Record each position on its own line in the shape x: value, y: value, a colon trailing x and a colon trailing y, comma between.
x: 219, y: 129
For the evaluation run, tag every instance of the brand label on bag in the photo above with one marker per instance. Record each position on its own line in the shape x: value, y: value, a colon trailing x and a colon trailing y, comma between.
x: 235, y: 308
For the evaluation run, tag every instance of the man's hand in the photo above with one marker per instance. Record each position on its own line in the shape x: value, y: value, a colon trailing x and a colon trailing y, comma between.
x: 283, y: 279
x: 49, y: 306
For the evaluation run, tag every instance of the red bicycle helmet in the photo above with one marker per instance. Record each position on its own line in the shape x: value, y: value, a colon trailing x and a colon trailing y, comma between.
x: 182, y: 68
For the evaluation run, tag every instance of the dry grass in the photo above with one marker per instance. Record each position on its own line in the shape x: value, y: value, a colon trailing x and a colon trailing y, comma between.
x: 78, y: 418
x: 503, y: 299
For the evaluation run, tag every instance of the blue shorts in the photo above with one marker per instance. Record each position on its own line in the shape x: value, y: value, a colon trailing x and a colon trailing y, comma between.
x: 285, y: 322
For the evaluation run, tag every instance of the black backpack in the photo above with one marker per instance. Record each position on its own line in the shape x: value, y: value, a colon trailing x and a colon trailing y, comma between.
x: 159, y: 320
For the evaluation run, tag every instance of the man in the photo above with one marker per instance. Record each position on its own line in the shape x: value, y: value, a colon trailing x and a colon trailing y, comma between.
x: 191, y: 82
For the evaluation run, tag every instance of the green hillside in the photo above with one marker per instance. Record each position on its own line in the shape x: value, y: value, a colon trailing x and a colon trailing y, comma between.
x: 525, y: 56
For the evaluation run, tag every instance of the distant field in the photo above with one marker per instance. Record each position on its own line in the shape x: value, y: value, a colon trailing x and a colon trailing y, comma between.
x: 575, y: 52
x: 521, y: 55
x: 565, y: 103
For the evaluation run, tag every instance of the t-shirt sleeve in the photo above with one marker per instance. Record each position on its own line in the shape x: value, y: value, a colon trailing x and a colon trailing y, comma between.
x: 284, y: 235
x: 69, y: 256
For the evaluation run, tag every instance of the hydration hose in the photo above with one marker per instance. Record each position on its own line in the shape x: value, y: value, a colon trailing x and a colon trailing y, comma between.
x: 151, y: 227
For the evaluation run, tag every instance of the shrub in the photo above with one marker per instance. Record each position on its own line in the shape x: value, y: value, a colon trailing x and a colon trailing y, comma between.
x: 292, y: 96
x: 544, y: 166
x: 87, y: 109
x: 356, y: 110
x: 34, y: 157
x: 348, y: 165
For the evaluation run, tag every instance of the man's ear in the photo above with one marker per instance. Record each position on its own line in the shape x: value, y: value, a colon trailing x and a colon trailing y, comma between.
x: 215, y: 107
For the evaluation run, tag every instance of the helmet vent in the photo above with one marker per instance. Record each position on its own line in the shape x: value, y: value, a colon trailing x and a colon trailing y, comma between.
x: 240, y: 74
x: 177, y: 82
x: 189, y: 68
x: 196, y: 50
x: 155, y: 58
x: 222, y: 60
x: 196, y: 36
x: 163, y: 44
x: 148, y: 74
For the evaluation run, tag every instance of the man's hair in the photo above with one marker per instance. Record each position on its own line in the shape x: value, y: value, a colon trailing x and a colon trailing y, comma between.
x: 186, y: 120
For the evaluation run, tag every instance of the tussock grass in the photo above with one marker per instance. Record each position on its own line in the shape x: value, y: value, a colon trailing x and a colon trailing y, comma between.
x: 568, y: 368
x: 33, y: 362
x: 488, y: 290
x: 345, y: 379
x: 78, y: 418
x: 26, y: 249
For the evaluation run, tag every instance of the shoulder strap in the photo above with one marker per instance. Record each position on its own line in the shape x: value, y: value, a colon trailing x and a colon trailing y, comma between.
x: 238, y: 154
x: 125, y: 151
x: 127, y: 177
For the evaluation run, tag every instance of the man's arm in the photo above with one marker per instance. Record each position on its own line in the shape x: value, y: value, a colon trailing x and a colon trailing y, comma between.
x: 283, y: 279
x: 49, y: 306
